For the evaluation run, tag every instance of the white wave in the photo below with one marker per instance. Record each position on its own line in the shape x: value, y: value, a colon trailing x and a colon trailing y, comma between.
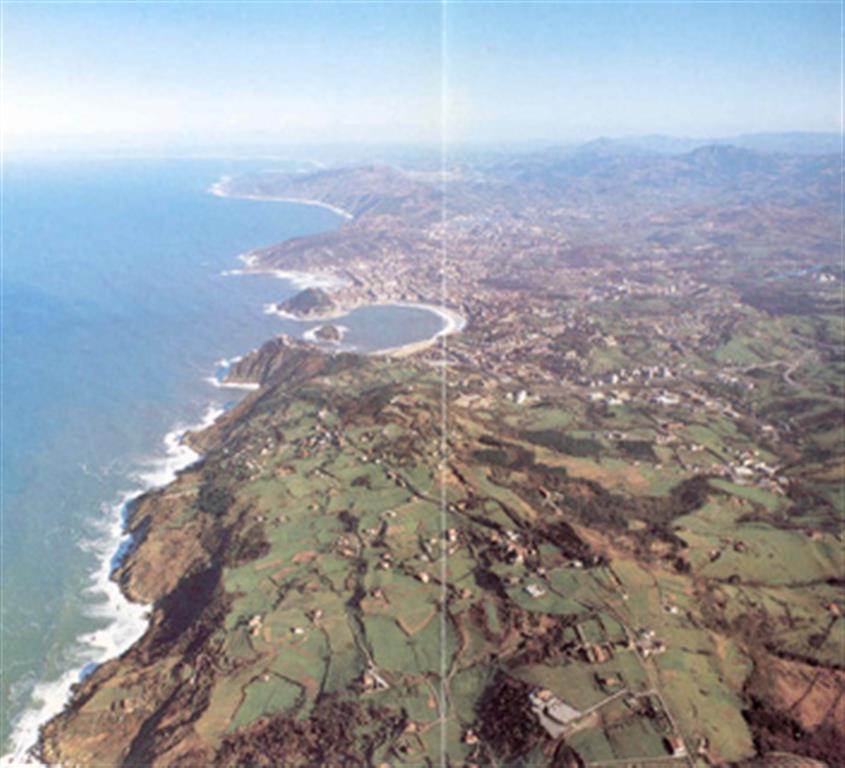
x: 311, y: 335
x: 298, y: 278
x: 228, y: 362
x: 302, y: 280
x: 249, y: 386
x: 273, y: 309
x: 125, y: 621
x: 221, y: 370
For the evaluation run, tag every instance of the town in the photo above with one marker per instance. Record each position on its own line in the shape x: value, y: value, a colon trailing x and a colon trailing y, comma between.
x: 600, y: 525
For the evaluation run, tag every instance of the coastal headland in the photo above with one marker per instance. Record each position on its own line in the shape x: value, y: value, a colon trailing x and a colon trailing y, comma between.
x: 563, y: 551
x: 332, y: 293
x: 137, y: 582
x: 220, y: 188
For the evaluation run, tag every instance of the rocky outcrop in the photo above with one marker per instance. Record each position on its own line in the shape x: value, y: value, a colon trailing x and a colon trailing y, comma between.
x: 310, y: 302
x: 284, y: 359
x: 328, y: 332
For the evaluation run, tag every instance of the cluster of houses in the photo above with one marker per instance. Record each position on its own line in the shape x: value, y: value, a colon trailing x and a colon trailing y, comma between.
x: 648, y: 644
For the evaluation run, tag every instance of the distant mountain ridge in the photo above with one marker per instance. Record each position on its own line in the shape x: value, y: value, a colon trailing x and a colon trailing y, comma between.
x: 367, y: 190
x: 633, y: 175
x: 791, y: 143
x: 715, y: 173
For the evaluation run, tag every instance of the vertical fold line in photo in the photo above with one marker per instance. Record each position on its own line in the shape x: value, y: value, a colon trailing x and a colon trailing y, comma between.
x: 443, y: 704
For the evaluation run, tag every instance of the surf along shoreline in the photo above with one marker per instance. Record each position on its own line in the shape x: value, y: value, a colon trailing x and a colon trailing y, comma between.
x: 129, y: 620
x: 453, y: 322
x: 219, y: 190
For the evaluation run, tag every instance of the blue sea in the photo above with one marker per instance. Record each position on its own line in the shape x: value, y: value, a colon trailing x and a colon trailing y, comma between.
x: 116, y: 310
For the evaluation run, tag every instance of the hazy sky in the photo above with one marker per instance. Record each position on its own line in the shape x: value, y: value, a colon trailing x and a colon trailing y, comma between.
x: 353, y: 71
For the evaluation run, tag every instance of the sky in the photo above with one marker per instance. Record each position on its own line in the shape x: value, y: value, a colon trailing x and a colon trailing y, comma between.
x: 197, y: 73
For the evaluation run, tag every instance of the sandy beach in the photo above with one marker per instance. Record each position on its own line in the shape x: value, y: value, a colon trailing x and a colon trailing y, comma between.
x: 453, y: 323
x: 219, y: 190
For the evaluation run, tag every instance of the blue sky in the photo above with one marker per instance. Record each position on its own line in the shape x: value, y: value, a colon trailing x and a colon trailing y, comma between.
x: 366, y: 71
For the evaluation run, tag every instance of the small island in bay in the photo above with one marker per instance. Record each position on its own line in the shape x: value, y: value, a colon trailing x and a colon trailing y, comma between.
x: 506, y: 447
x: 626, y: 460
x: 329, y: 332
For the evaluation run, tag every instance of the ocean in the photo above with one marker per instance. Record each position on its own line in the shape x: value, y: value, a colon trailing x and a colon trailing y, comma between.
x: 116, y: 313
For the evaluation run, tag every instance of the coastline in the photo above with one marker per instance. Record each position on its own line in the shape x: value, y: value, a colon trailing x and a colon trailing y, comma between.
x: 453, y: 323
x: 311, y: 336
x: 298, y: 279
x: 127, y: 620
x: 218, y: 378
x: 218, y: 190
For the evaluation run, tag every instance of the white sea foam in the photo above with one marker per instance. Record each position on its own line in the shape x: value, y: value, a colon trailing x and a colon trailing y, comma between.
x: 228, y: 362
x: 218, y: 379
x: 249, y: 386
x: 125, y: 622
x: 311, y: 335
x: 300, y: 280
x: 303, y: 280
x: 273, y: 309
x: 221, y: 189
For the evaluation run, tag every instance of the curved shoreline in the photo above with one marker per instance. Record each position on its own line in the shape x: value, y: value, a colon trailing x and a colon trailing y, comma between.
x: 297, y: 278
x: 218, y: 190
x: 453, y: 322
x: 127, y: 620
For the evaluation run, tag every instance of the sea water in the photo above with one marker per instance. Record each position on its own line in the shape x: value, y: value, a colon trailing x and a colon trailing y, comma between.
x: 118, y: 303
